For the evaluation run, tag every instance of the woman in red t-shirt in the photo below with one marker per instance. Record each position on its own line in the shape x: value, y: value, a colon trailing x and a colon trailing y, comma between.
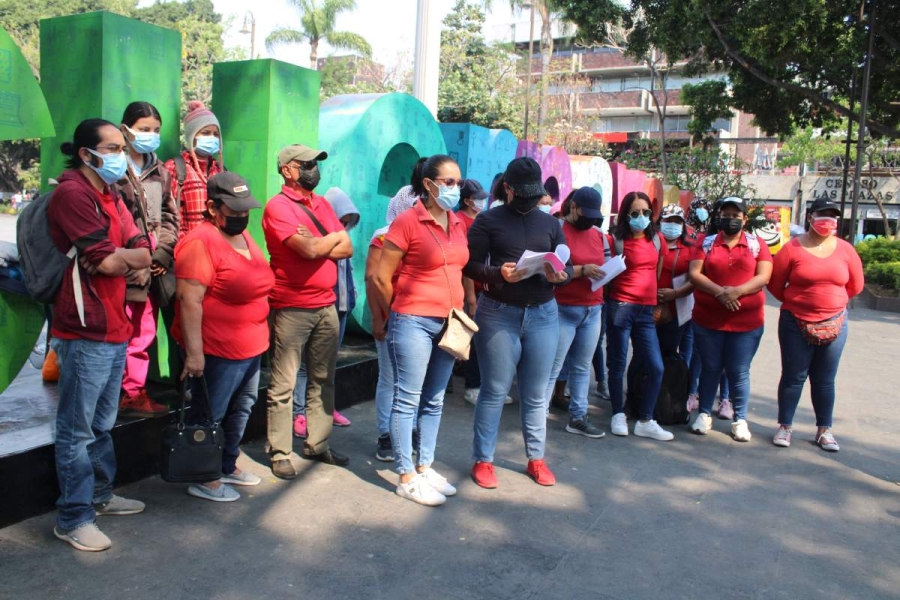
x: 630, y: 313
x: 815, y: 275
x: 729, y: 271
x: 221, y: 322
x: 680, y: 242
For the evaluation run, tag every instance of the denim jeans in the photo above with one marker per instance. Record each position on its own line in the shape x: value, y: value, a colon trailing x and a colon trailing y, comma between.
x: 599, y: 362
x: 300, y: 387
x: 421, y: 373
x: 692, y: 357
x: 634, y: 322
x: 233, y: 389
x: 384, y: 391
x: 732, y: 351
x: 670, y: 336
x: 514, y: 341
x: 800, y: 360
x: 471, y: 370
x: 90, y: 381
x: 579, y: 331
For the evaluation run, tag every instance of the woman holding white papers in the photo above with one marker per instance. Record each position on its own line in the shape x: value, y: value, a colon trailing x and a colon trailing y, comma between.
x: 580, y: 306
x: 632, y: 300
x: 673, y: 284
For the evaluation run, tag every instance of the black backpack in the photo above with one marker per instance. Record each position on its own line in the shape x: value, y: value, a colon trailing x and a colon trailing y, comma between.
x: 43, y: 265
x: 671, y: 404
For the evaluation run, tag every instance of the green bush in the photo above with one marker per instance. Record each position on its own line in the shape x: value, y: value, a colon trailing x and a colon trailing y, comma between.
x: 886, y: 274
x: 879, y: 250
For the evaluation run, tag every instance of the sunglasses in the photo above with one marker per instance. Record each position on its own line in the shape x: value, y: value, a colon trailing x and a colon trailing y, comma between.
x: 448, y: 181
x: 304, y: 165
x: 637, y: 213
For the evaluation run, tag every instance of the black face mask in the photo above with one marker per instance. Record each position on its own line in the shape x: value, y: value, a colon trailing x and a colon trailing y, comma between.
x: 730, y: 226
x: 235, y: 225
x: 309, y: 178
x: 583, y: 223
x: 524, y: 205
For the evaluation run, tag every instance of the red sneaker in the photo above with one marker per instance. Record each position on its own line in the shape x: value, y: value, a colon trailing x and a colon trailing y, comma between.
x: 300, y: 426
x: 540, y: 472
x: 483, y: 475
x: 340, y: 420
x: 141, y: 405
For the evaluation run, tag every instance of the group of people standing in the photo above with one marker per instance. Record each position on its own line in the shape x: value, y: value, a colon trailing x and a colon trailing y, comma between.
x: 174, y: 237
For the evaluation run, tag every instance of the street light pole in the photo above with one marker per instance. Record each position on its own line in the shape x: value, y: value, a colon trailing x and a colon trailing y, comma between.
x: 250, y: 27
x: 861, y: 130
x: 528, y: 76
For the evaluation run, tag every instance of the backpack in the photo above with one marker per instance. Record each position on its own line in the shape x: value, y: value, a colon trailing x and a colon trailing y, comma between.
x: 671, y: 403
x: 752, y: 243
x: 619, y: 245
x: 43, y: 265
x: 180, y: 176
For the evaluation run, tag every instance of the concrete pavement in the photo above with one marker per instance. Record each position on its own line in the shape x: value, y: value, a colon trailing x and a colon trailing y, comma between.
x: 699, y: 517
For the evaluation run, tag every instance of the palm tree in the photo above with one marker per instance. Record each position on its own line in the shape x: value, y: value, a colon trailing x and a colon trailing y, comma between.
x: 317, y: 20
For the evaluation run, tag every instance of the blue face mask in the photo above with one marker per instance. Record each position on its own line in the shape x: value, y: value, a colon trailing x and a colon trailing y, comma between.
x: 702, y: 214
x: 113, y: 167
x: 671, y: 231
x: 638, y: 223
x: 545, y: 208
x: 479, y: 204
x: 144, y: 142
x: 448, y: 197
x: 206, y: 145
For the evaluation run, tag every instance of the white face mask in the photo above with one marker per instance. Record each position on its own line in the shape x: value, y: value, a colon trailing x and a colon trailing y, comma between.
x: 478, y: 205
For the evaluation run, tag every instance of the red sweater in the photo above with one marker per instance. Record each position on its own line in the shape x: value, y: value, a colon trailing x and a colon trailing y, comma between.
x: 813, y: 288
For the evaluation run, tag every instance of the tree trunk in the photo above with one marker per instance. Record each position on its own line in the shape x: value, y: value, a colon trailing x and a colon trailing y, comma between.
x: 546, y: 55
x: 314, y: 54
x: 656, y: 77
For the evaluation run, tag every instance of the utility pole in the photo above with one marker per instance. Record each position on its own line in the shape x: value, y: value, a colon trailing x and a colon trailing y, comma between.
x: 861, y: 132
x: 847, y: 148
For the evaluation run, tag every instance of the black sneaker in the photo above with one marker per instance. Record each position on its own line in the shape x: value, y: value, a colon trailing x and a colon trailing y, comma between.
x: 603, y: 390
x: 584, y: 427
x: 385, y: 452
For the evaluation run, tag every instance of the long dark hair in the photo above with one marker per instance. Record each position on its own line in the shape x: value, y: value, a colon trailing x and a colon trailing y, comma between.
x: 138, y: 110
x: 427, y: 168
x: 87, y: 135
x: 622, y: 229
x: 567, y: 204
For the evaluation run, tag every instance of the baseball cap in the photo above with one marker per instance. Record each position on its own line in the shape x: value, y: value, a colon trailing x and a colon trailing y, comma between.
x: 472, y: 189
x: 821, y: 204
x: 232, y: 190
x: 523, y: 175
x: 734, y: 201
x: 672, y: 210
x: 301, y: 153
x: 588, y: 200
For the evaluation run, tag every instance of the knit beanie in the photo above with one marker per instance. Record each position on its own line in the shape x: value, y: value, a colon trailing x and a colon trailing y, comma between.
x: 197, y: 117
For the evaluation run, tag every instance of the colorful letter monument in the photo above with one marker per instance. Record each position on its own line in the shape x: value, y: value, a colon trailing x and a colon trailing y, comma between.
x: 480, y: 152
x: 373, y: 142
x: 23, y: 109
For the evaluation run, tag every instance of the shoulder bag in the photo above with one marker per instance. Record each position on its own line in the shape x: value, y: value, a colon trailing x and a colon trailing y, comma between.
x: 460, y: 328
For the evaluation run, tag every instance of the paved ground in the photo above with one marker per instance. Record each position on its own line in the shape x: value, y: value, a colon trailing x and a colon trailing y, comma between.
x: 700, y: 517
x: 7, y: 228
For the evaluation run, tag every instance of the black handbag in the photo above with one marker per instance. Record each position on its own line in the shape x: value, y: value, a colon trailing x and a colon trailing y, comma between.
x: 192, y: 453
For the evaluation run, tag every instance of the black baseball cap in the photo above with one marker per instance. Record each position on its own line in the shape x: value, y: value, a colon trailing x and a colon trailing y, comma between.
x: 523, y: 175
x: 471, y: 189
x: 232, y: 190
x: 821, y: 204
x: 734, y: 201
x: 588, y: 200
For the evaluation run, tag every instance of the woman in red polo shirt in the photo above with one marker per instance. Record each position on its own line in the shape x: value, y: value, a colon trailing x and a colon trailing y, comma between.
x: 729, y: 271
x: 630, y: 313
x: 430, y: 242
x: 680, y: 241
x: 221, y: 321
x: 814, y: 277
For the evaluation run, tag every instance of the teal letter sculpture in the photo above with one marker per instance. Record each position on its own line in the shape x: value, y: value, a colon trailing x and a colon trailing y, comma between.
x: 480, y: 152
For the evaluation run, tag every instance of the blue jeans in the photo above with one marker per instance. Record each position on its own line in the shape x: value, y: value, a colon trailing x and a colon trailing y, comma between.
x: 520, y: 342
x: 90, y: 380
x: 732, y: 351
x: 634, y: 322
x: 421, y: 373
x: 670, y: 337
x: 233, y: 389
x: 579, y: 331
x: 300, y: 386
x: 692, y: 357
x: 800, y: 360
x: 384, y: 391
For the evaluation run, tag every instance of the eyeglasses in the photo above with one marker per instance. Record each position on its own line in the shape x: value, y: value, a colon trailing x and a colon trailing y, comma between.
x: 304, y: 165
x: 110, y: 149
x: 637, y: 213
x: 448, y: 181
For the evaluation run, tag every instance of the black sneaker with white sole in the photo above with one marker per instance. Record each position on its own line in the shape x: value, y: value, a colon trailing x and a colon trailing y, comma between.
x: 584, y: 427
x: 385, y: 451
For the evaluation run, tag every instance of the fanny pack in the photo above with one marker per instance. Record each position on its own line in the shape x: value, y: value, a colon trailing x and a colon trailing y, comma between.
x: 821, y: 333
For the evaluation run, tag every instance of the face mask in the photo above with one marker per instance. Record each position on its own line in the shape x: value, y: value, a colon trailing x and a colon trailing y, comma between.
x: 702, y: 214
x: 113, y: 168
x: 545, y: 208
x: 638, y: 223
x: 524, y: 205
x: 144, y: 142
x: 496, y: 203
x: 309, y: 178
x: 448, y: 197
x: 730, y: 226
x: 234, y: 225
x: 478, y: 205
x: 671, y: 231
x: 206, y: 145
x: 824, y: 226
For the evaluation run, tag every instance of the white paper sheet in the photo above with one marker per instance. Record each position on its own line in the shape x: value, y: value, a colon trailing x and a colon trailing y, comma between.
x: 611, y: 269
x: 532, y: 263
x: 684, y: 307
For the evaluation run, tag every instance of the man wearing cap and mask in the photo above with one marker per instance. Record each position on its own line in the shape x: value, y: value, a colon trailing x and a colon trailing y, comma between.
x: 304, y: 238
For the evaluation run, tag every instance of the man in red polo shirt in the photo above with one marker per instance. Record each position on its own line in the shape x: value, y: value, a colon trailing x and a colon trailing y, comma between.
x: 304, y: 238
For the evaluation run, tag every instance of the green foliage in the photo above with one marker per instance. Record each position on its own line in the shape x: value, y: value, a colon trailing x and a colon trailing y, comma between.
x: 351, y: 75
x: 879, y: 251
x: 709, y: 101
x: 885, y: 274
x: 811, y: 146
x: 317, y: 22
x: 478, y: 79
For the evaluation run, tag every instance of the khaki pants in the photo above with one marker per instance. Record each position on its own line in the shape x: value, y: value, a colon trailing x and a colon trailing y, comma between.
x: 312, y: 334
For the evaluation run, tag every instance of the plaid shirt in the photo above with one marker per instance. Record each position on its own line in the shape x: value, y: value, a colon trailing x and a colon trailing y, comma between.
x: 193, y: 192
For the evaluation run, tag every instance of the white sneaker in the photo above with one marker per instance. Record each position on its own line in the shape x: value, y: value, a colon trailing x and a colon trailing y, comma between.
x: 740, y: 432
x: 651, y: 429
x: 702, y: 424
x: 471, y: 395
x: 508, y: 400
x: 619, y: 424
x: 438, y: 482
x: 419, y: 491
